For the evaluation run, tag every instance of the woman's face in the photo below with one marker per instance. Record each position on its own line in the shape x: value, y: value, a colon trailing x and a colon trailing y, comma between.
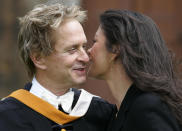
x: 100, y: 58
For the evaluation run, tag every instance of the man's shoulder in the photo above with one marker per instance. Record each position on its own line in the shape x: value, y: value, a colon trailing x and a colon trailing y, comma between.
x: 101, y: 102
x: 10, y: 112
x: 8, y: 104
x: 97, y: 100
x: 100, y: 110
x: 101, y: 105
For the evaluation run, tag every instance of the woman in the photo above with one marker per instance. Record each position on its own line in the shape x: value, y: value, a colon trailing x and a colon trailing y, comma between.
x: 130, y: 54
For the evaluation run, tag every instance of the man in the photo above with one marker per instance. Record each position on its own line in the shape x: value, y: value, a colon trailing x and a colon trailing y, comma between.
x: 52, y: 46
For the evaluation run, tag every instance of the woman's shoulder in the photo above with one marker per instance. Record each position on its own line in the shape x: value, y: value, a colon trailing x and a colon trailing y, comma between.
x: 150, y: 109
x: 137, y: 99
x: 147, y: 100
x: 150, y: 105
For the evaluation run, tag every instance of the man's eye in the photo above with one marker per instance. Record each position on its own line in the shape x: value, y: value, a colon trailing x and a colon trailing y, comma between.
x: 72, y: 50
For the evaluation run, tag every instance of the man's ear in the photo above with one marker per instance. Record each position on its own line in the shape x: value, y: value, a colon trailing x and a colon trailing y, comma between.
x: 38, y: 60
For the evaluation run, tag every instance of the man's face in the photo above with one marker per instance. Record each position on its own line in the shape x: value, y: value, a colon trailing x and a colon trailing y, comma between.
x: 67, y: 63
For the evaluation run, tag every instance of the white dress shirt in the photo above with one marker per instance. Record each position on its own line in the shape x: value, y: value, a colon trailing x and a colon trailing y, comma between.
x: 65, y: 100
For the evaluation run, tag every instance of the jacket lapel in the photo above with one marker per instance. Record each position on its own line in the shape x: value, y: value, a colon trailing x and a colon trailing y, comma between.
x: 124, y: 108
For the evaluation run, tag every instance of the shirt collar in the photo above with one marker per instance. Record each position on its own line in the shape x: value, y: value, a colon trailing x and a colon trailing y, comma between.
x: 65, y: 100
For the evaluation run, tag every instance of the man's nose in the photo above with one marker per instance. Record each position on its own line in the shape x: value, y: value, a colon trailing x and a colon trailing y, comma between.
x: 84, y: 56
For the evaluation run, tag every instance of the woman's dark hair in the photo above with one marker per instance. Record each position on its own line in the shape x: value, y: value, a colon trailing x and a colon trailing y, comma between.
x: 144, y: 55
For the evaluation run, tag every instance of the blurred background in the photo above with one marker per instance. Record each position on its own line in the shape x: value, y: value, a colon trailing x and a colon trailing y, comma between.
x: 166, y: 13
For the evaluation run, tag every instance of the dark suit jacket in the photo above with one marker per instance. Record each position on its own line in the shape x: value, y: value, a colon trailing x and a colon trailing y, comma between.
x: 15, y: 116
x: 141, y: 111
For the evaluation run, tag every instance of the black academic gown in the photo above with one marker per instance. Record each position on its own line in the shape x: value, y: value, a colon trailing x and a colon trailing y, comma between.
x: 141, y: 111
x: 16, y: 116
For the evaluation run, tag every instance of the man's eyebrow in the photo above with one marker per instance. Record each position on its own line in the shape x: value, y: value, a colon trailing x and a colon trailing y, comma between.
x: 72, y: 45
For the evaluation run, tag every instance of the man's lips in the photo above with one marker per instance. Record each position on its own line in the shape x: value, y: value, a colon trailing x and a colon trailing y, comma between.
x: 80, y: 69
